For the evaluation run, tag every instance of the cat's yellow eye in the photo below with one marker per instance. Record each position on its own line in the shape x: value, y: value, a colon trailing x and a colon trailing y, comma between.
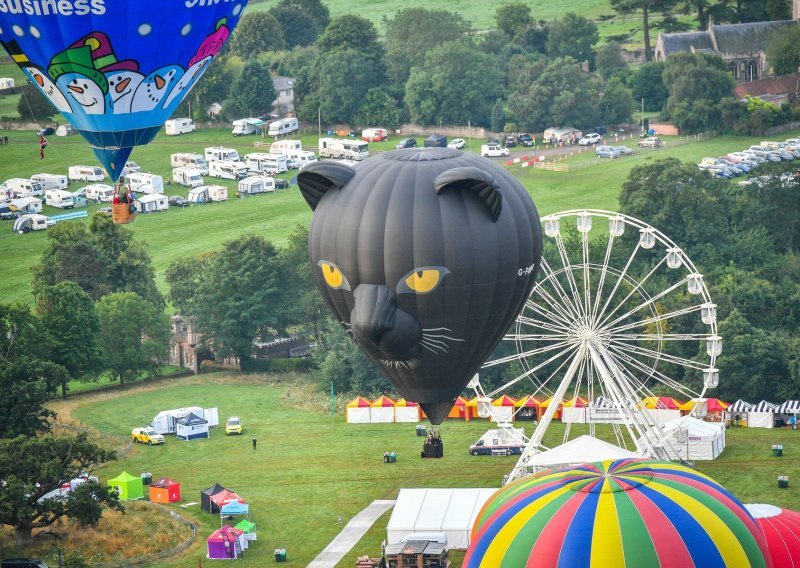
x: 333, y: 276
x: 422, y: 280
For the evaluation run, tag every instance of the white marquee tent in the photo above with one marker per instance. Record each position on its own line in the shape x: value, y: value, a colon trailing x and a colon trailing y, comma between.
x: 694, y: 439
x: 451, y: 511
x: 762, y: 415
x: 582, y: 449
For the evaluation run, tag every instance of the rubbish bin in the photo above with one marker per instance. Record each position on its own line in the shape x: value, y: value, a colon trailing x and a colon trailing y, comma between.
x: 146, y: 478
x: 421, y: 430
x: 774, y: 449
x: 393, y: 457
x: 783, y: 482
x: 780, y: 450
x: 385, y: 457
x: 280, y: 555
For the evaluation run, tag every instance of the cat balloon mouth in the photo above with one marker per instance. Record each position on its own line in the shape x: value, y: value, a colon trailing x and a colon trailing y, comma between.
x: 405, y: 364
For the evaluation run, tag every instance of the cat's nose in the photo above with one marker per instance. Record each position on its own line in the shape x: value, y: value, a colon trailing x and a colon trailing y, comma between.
x: 374, y: 312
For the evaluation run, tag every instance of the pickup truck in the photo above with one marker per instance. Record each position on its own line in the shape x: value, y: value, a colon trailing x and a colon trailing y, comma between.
x: 146, y: 436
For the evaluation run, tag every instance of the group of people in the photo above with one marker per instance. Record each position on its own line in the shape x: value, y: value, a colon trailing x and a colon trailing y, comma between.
x: 123, y: 193
x: 569, y: 140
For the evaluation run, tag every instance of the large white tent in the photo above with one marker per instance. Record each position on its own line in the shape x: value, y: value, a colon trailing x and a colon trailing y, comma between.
x: 762, y: 415
x: 582, y: 449
x: 693, y: 440
x: 451, y: 511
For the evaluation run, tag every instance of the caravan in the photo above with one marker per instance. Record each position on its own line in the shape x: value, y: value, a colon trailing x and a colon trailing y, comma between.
x: 218, y: 153
x: 283, y: 126
x: 151, y: 203
x: 177, y: 126
x: 186, y: 160
x: 141, y: 182
x: 266, y: 163
x: 198, y: 195
x: 51, y: 181
x: 256, y: 184
x: 99, y: 192
x: 28, y: 223
x: 86, y: 173
x: 217, y: 192
x: 343, y: 149
x: 283, y: 146
x: 26, y: 205
x: 59, y: 198
x: 187, y: 176
x: 24, y: 187
x: 227, y: 170
x: 298, y: 159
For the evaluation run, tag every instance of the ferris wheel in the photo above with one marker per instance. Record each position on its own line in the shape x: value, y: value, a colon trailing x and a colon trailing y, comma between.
x: 619, y: 313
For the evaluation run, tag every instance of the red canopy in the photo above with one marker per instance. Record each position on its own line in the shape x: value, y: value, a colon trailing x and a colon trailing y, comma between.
x: 358, y: 402
x: 504, y: 400
x: 225, y: 497
x: 460, y: 401
x: 782, y: 531
x: 716, y: 405
x: 383, y: 401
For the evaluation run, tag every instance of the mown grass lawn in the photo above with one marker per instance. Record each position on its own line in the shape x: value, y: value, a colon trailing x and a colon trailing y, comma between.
x: 309, y: 467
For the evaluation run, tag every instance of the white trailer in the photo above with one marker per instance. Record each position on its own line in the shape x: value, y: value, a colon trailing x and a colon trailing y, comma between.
x: 227, y: 170
x: 28, y: 205
x: 165, y: 422
x: 198, y: 195
x: 51, y: 181
x: 283, y: 126
x: 266, y: 163
x: 187, y: 176
x: 21, y: 187
x: 59, y: 198
x: 218, y: 153
x: 343, y: 149
x: 217, y: 192
x: 142, y: 182
x: 186, y: 160
x: 282, y: 146
x: 151, y: 203
x: 177, y: 126
x: 375, y: 134
x: 100, y: 192
x: 86, y: 173
x: 256, y: 184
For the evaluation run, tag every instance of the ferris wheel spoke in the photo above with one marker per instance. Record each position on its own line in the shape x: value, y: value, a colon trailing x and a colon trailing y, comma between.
x: 554, y: 304
x: 623, y: 275
x: 648, y: 371
x: 639, y: 285
x: 662, y: 336
x: 602, y: 279
x: 565, y: 304
x: 658, y: 355
x: 660, y: 318
x: 647, y: 303
x: 570, y: 277
x: 549, y: 314
x: 538, y: 324
x: 587, y: 295
x: 531, y: 372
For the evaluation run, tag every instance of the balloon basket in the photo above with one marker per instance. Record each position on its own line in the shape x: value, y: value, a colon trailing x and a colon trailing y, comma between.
x: 121, y: 213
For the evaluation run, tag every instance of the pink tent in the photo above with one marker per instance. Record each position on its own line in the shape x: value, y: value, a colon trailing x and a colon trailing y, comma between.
x: 223, y: 498
x: 225, y: 543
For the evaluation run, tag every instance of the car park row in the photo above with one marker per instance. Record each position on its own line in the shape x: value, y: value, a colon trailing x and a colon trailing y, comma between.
x: 736, y: 164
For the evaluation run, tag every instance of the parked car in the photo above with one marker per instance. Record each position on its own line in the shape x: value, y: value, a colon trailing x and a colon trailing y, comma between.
x: 494, y: 151
x: 406, y: 143
x: 177, y: 201
x: 525, y: 139
x: 623, y: 150
x: 599, y: 129
x: 604, y: 151
x: 493, y: 141
x: 146, y: 436
x: 233, y: 426
x: 510, y: 142
x: 281, y: 183
x: 104, y: 211
x: 589, y: 139
x: 457, y: 143
x: 651, y: 142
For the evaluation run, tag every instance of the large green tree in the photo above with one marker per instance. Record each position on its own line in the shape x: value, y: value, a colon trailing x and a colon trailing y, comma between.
x: 33, y: 105
x: 69, y: 316
x: 256, y: 32
x: 783, y: 51
x: 134, y: 335
x: 648, y: 9
x: 315, y: 9
x: 573, y: 36
x: 344, y: 78
x: 616, y: 103
x: 352, y: 32
x: 697, y: 82
x: 513, y: 18
x: 31, y: 467
x: 299, y: 27
x: 609, y: 60
x: 378, y: 107
x: 253, y: 92
x: 647, y: 85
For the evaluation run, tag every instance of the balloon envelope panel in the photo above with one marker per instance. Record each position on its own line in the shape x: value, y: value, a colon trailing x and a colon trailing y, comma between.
x: 116, y: 69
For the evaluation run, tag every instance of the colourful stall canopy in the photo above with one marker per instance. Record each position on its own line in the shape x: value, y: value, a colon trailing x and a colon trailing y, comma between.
x: 128, y: 486
x: 383, y: 401
x: 545, y: 404
x: 359, y: 402
x: 405, y: 411
x: 528, y: 401
x: 712, y: 405
x: 661, y: 402
x: 617, y: 513
x: 357, y: 411
x: 504, y: 400
x: 225, y: 543
x: 381, y: 410
x: 222, y: 498
x: 576, y: 402
x: 782, y: 531
x: 460, y: 409
x: 165, y: 491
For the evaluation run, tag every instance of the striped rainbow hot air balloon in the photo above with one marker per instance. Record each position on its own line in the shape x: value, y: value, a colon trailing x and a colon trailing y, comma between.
x: 623, y: 513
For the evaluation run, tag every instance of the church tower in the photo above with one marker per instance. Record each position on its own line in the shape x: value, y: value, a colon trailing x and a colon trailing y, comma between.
x: 796, y: 9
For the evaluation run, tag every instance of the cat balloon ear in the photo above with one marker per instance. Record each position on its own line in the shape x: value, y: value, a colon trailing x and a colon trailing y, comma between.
x: 477, y: 182
x: 318, y: 178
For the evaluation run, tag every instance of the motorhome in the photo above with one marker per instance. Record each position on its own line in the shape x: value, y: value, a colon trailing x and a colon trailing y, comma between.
x: 343, y: 149
x: 51, y: 181
x: 228, y: 170
x: 244, y: 127
x: 24, y: 187
x: 267, y: 163
x: 375, y: 134
x: 256, y: 184
x: 195, y: 161
x: 86, y: 173
x: 59, y: 198
x: 142, y: 182
x: 300, y: 158
x: 99, y: 192
x: 218, y: 153
x: 187, y: 176
x: 217, y: 192
x: 151, y: 203
x: 283, y: 126
x: 177, y: 126
x: 283, y: 146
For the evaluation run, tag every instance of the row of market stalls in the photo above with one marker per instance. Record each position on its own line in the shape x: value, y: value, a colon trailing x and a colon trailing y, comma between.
x: 228, y: 542
x: 129, y: 488
x: 382, y: 410
x: 762, y: 414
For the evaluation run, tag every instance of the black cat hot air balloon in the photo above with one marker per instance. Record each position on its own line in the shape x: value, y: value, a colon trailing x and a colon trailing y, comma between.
x: 426, y: 256
x: 116, y: 69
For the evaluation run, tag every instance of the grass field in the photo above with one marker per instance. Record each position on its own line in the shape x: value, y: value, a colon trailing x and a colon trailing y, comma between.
x: 310, y: 468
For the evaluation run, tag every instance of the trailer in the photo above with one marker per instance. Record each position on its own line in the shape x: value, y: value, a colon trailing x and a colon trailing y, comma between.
x: 142, y: 182
x: 100, y: 192
x: 86, y: 173
x: 343, y: 149
x: 21, y: 187
x: 59, y: 198
x: 256, y: 184
x: 187, y: 176
x: 166, y: 421
x: 151, y: 203
x: 283, y: 126
x: 218, y: 153
x: 217, y: 192
x: 188, y: 160
x: 225, y: 169
x: 266, y: 163
x: 51, y: 181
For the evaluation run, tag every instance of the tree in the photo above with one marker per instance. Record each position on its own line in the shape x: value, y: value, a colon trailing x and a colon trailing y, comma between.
x: 344, y: 77
x: 299, y: 28
x: 616, y: 103
x: 354, y: 33
x: 457, y: 83
x: 783, y: 51
x: 134, y: 335
x: 315, y: 9
x: 697, y: 83
x: 513, y: 18
x: 214, y: 87
x: 378, y: 107
x: 609, y: 60
x: 647, y: 84
x: 253, y: 91
x: 647, y: 7
x: 779, y: 10
x: 256, y: 32
x: 573, y: 36
x: 69, y: 316
x: 33, y: 105
x: 411, y: 34
x: 498, y: 119
x: 31, y: 467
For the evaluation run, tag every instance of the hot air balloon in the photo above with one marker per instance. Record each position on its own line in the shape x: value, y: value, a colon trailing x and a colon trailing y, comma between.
x: 116, y: 69
x: 782, y: 532
x: 425, y: 256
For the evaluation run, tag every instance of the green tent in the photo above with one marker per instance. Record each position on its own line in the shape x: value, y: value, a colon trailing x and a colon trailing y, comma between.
x: 128, y: 486
x: 248, y: 528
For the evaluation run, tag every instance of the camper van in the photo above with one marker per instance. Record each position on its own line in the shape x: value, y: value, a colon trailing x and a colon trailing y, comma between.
x: 86, y: 173
x: 59, y: 198
x: 266, y: 163
x: 24, y: 187
x: 151, y: 203
x: 141, y: 182
x: 299, y: 158
x: 51, y: 181
x: 217, y: 192
x: 343, y: 149
x: 375, y: 134
x: 501, y: 441
x: 283, y: 146
x: 228, y: 170
x: 195, y: 161
x: 28, y: 223
x: 243, y: 127
x: 218, y: 153
x: 187, y: 176
x: 99, y: 192
x: 256, y: 184
x: 283, y: 126
x: 176, y: 126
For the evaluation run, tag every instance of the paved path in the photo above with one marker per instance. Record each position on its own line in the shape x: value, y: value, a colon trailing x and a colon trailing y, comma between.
x: 350, y: 535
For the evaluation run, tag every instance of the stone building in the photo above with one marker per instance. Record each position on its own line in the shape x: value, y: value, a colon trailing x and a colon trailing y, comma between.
x: 183, y: 346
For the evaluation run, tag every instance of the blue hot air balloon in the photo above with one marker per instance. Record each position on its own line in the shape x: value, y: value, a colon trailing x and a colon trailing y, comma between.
x: 116, y: 69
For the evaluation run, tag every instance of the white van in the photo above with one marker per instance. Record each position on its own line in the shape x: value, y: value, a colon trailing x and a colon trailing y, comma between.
x: 100, y: 192
x: 177, y: 126
x: 217, y: 192
x: 218, y: 153
x: 227, y: 170
x: 141, y: 182
x: 300, y: 158
x: 59, y: 198
x: 283, y: 126
x: 283, y: 146
x: 266, y: 163
x: 24, y: 187
x: 243, y: 127
x: 375, y: 134
x: 51, y: 181
x: 187, y: 176
x: 256, y: 184
x: 187, y: 160
x: 86, y: 173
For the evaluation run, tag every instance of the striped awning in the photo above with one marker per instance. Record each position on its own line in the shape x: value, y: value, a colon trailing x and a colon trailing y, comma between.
x: 764, y: 406
x: 740, y: 406
x: 789, y: 407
